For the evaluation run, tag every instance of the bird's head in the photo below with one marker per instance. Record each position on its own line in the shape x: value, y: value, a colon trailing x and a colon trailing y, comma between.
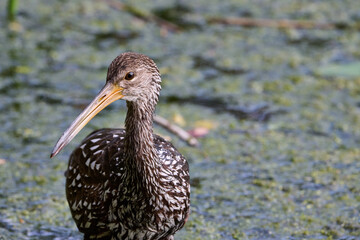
x: 135, y: 76
x: 131, y: 76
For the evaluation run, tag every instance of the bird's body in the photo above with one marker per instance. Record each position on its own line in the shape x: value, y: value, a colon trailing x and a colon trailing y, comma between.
x: 105, y: 195
x: 127, y: 183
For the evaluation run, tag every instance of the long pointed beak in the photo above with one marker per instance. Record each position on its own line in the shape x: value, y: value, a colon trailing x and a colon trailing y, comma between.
x: 107, y: 95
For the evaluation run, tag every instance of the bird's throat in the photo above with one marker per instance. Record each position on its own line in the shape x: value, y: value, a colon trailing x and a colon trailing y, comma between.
x: 142, y: 158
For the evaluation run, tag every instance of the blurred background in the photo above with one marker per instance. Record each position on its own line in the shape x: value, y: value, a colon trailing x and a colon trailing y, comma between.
x: 269, y: 87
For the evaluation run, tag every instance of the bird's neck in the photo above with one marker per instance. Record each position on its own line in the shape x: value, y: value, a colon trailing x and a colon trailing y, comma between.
x: 141, y: 156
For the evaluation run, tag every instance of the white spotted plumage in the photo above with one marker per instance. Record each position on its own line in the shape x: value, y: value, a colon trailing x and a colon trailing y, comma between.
x: 82, y: 209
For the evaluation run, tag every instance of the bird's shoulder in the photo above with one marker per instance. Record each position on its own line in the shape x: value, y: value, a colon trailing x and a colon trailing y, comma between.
x: 94, y: 152
x: 169, y: 156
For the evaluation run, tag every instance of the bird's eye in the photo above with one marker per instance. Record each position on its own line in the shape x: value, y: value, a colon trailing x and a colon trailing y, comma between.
x: 129, y: 76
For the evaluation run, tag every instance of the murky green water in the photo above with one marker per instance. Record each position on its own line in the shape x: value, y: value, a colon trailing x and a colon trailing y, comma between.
x: 283, y: 159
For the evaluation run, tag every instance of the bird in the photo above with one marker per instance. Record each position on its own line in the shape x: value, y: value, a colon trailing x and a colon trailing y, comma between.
x: 126, y: 183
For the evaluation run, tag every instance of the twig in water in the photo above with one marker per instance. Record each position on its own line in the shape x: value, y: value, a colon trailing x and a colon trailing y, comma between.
x: 145, y: 16
x: 271, y: 23
x: 181, y: 133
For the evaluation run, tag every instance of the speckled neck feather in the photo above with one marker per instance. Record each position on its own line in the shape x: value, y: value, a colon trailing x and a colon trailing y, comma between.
x: 141, y: 155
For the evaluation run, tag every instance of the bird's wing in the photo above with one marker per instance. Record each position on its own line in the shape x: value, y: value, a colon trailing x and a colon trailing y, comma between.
x: 88, y: 180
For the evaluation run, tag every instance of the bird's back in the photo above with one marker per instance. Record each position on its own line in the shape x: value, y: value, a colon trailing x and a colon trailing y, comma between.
x: 94, y: 182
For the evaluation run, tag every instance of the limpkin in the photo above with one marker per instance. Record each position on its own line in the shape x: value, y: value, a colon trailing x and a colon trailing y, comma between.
x: 126, y: 183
